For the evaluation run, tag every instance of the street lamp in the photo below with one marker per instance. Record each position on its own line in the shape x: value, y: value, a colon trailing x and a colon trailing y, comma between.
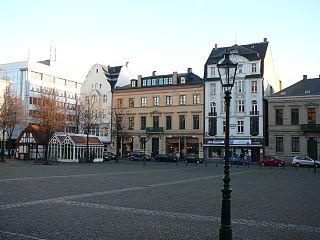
x: 227, y: 73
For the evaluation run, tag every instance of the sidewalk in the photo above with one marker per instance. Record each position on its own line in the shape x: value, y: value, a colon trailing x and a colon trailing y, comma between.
x: 13, y: 162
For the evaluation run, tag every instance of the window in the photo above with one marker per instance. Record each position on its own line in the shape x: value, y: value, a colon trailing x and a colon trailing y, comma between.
x: 120, y: 103
x: 254, y: 126
x: 240, y: 127
x: 240, y: 66
x: 182, y: 122
x: 144, y: 82
x: 253, y: 67
x: 154, y: 81
x: 196, y: 122
x: 240, y: 86
x: 131, y: 102
x: 133, y: 83
x: 279, y: 144
x: 131, y: 123
x: 254, y: 86
x: 143, y: 101
x: 143, y: 141
x: 212, y: 71
x: 196, y: 99
x: 213, y: 88
x: 149, y: 82
x: 311, y: 116
x: 254, y: 108
x: 223, y: 106
x: 279, y: 116
x: 143, y: 123
x: 240, y: 106
x: 168, y: 100
x: 295, y: 145
x: 182, y: 99
x: 212, y: 126
x: 156, y: 101
x: 295, y: 116
x: 168, y: 122
x: 213, y: 107
x: 182, y: 80
x: 160, y: 81
x: 155, y: 121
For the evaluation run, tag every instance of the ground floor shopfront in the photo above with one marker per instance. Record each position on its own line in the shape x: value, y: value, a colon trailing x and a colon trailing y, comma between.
x: 251, y: 149
x: 153, y: 144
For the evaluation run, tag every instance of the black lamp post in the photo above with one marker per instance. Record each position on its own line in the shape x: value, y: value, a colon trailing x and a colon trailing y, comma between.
x: 227, y: 72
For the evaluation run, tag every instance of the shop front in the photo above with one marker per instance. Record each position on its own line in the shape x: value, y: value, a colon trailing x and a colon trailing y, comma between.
x: 246, y: 149
x: 182, y: 145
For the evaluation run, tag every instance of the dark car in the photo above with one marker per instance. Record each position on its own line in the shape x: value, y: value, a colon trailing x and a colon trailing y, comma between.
x: 238, y: 161
x: 192, y: 159
x: 135, y: 156
x: 107, y: 156
x: 165, y: 158
x: 271, y: 161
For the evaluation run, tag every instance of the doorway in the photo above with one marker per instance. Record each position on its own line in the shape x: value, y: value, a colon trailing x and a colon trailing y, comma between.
x: 312, y: 148
x: 155, y: 146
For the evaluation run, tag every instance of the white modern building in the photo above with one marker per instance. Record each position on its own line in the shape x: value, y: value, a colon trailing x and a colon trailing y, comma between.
x: 255, y: 79
x: 28, y: 79
x: 98, y: 85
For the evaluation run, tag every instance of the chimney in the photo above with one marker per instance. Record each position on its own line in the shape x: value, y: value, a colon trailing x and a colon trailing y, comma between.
x: 265, y: 40
x: 189, y: 70
x: 215, y: 45
x: 305, y: 77
x: 154, y: 73
x: 174, y: 78
x: 139, y: 81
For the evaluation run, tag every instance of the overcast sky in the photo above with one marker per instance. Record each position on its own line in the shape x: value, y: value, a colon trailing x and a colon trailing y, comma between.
x: 164, y: 35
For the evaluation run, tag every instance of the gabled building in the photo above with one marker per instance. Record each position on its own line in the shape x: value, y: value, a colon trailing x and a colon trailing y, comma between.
x: 98, y: 86
x: 255, y: 79
x: 162, y: 114
x: 294, y: 120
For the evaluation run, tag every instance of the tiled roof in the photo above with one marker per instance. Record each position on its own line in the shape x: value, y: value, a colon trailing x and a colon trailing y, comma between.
x: 304, y: 87
x: 82, y: 139
x: 39, y: 133
x: 254, y: 51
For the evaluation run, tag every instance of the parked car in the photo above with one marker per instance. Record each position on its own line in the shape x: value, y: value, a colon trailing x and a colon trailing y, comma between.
x: 165, y: 158
x: 135, y: 156
x: 271, y: 161
x: 192, y: 159
x: 107, y: 156
x: 304, y: 161
x: 238, y: 161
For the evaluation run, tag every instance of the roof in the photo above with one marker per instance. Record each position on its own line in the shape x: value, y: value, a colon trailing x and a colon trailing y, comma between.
x: 82, y: 139
x: 112, y: 74
x: 38, y: 132
x: 253, y: 51
x: 304, y: 87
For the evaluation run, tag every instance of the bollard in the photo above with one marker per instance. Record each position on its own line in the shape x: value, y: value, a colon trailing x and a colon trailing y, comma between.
x: 315, y: 169
x: 283, y: 166
x: 186, y: 163
x: 216, y: 164
x: 238, y: 165
x: 206, y: 164
x: 308, y: 168
x: 144, y: 162
x: 167, y: 162
x: 295, y: 167
x: 259, y: 166
x: 248, y: 165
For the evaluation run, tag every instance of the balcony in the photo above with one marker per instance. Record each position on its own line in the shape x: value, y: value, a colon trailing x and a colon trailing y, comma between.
x: 310, y: 127
x: 154, y: 129
x: 254, y: 113
x: 212, y: 114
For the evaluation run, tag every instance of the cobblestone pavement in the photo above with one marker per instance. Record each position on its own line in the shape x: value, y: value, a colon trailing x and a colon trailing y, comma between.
x: 158, y: 201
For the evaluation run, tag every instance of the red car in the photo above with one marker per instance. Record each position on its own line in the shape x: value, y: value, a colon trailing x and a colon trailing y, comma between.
x: 271, y: 161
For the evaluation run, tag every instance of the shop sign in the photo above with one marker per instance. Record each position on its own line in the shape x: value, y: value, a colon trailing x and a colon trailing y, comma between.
x: 232, y: 142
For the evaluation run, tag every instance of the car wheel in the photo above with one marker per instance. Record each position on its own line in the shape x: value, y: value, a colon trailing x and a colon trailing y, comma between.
x: 244, y: 163
x: 279, y: 164
x: 317, y: 165
x: 198, y: 162
x: 262, y: 164
x: 297, y: 164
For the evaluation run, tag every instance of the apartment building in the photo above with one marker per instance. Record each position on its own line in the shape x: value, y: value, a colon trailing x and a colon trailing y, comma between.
x: 255, y: 79
x: 294, y: 120
x: 163, y: 114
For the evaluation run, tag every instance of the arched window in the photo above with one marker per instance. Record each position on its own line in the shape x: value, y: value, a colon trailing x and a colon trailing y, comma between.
x: 213, y: 107
x: 254, y: 107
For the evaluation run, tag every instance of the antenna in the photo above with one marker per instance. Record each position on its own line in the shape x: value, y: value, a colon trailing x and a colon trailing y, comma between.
x: 235, y: 36
x: 55, y: 54
x: 50, y: 52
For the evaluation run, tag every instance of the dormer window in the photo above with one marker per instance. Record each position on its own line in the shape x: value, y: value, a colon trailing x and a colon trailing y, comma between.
x: 183, y: 80
x: 307, y: 91
x: 283, y: 93
x: 253, y: 67
x: 235, y: 51
x: 133, y: 83
x: 240, y: 66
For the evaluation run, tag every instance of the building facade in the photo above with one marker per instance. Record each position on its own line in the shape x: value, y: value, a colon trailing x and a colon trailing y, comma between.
x: 163, y: 114
x: 28, y: 80
x: 255, y: 79
x: 294, y: 120
x: 98, y: 85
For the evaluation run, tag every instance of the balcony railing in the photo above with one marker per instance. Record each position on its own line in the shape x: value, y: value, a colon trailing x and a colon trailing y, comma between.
x: 310, y: 127
x: 254, y: 112
x: 211, y: 114
x: 154, y: 129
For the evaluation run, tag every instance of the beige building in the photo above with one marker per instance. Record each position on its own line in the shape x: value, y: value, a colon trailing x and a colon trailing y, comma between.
x: 163, y: 114
x: 294, y: 121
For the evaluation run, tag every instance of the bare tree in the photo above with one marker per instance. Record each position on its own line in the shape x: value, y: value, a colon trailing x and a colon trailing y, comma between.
x: 89, y: 118
x: 118, y: 126
x: 49, y: 113
x: 75, y: 116
x: 11, y: 115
